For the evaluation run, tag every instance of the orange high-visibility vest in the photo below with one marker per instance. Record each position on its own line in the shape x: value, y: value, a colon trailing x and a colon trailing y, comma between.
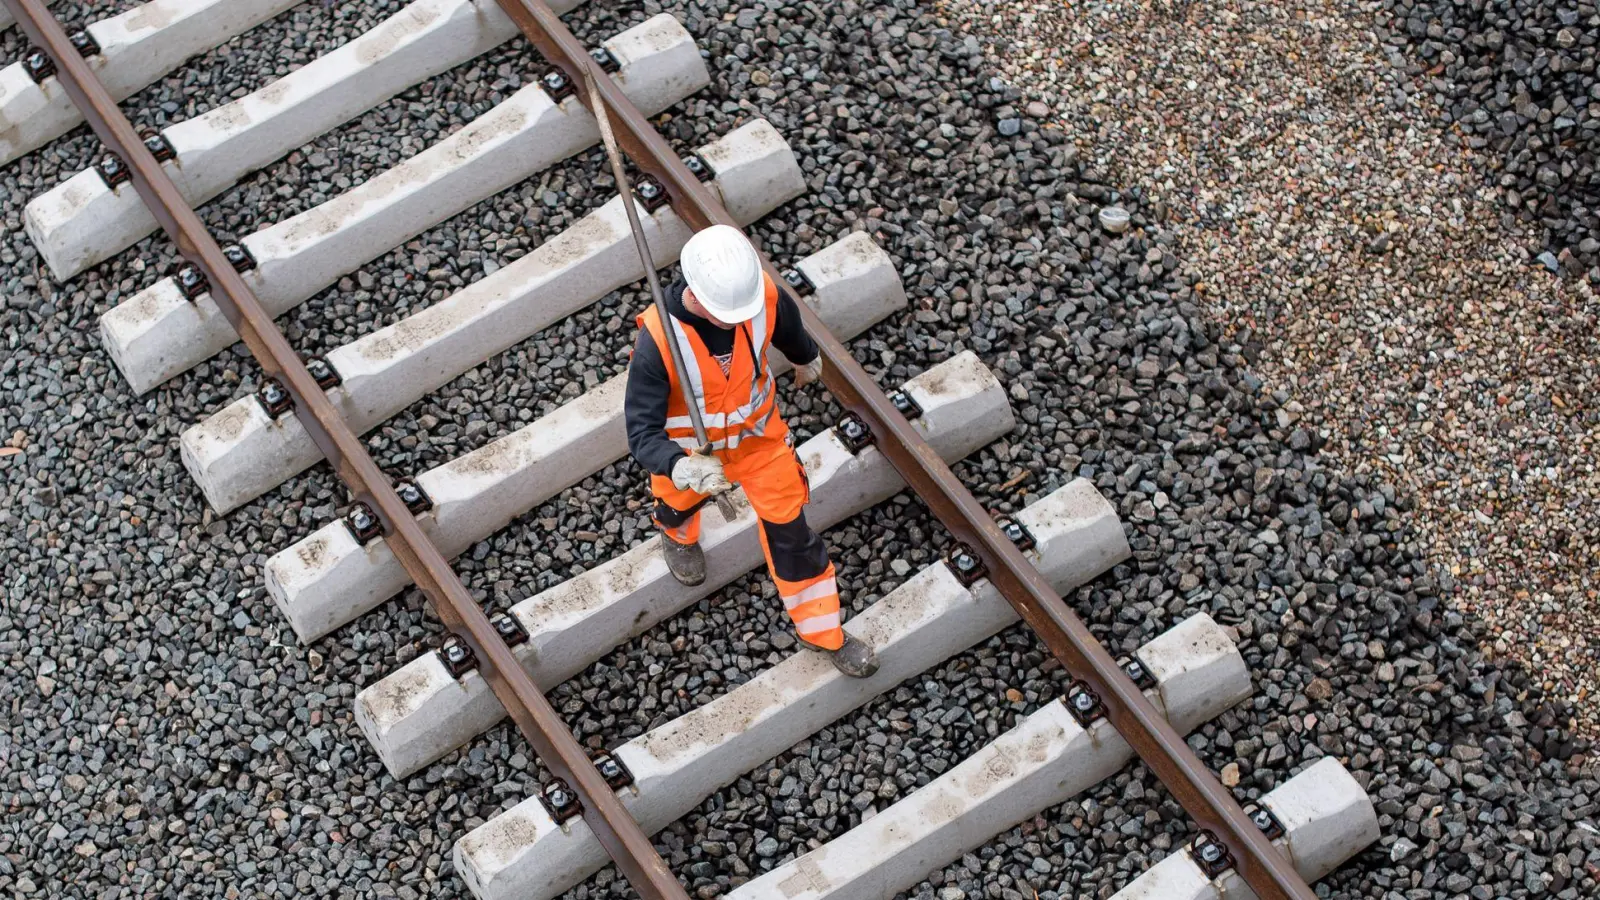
x: 736, y: 406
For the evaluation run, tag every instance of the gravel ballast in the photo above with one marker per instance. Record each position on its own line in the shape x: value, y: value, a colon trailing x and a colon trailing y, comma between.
x: 171, y: 738
x: 1520, y: 83
x: 1331, y: 225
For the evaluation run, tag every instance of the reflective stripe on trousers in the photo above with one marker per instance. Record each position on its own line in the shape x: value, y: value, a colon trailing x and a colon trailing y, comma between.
x: 685, y: 532
x: 813, y: 606
x: 797, y: 558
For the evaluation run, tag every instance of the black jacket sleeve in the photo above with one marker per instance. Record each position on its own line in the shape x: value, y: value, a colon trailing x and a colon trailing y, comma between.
x: 789, y: 332
x: 645, y: 409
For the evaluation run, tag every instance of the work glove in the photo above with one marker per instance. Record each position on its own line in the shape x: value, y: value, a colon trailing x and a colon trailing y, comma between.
x: 699, y: 473
x: 811, y: 371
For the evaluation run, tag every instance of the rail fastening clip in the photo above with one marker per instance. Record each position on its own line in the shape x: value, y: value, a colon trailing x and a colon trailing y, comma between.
x: 905, y: 404
x: 1264, y: 820
x: 607, y: 60
x: 560, y: 802
x: 1212, y: 858
x: 159, y: 146
x: 84, y: 43
x: 854, y: 432
x: 457, y: 656
x: 510, y: 628
x: 698, y: 167
x: 273, y: 398
x: 363, y: 525
x: 965, y: 563
x: 414, y: 497
x: 238, y: 257
x: 556, y: 83
x: 1017, y: 533
x: 1137, y: 673
x: 799, y: 282
x: 191, y: 281
x: 113, y: 171
x: 652, y: 193
x: 1084, y: 704
x: 38, y: 65
x: 613, y: 771
x: 323, y: 372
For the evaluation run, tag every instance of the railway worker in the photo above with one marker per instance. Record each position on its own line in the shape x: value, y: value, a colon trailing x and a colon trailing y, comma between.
x: 725, y: 311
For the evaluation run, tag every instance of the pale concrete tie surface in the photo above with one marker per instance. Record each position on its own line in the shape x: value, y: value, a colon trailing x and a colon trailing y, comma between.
x: 159, y: 333
x: 137, y: 48
x: 83, y: 221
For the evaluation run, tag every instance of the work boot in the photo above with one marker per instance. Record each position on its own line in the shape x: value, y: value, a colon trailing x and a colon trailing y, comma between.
x: 855, y: 658
x: 686, y: 562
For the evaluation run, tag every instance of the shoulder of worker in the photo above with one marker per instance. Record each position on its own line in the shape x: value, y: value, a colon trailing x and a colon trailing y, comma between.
x: 673, y: 294
x: 784, y: 297
x: 649, y: 385
x: 646, y: 357
x: 789, y: 333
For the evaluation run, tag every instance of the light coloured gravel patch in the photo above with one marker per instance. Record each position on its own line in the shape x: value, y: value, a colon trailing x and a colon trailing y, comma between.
x: 1321, y: 209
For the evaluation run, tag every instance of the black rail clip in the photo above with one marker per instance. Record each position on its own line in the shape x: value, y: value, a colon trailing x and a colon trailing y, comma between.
x: 1017, y: 533
x: 457, y: 656
x: 273, y: 398
x: 238, y: 257
x: 556, y: 83
x: 1212, y: 858
x: 84, y: 43
x: 38, y: 65
x: 613, y: 771
x: 697, y: 166
x: 560, y: 802
x: 607, y: 60
x: 905, y: 405
x: 799, y: 282
x: 113, y: 171
x: 854, y: 432
x: 509, y: 627
x: 159, y: 146
x: 414, y: 497
x: 363, y: 525
x: 1264, y: 820
x: 323, y: 372
x: 1137, y: 673
x: 190, y: 281
x: 652, y: 194
x: 965, y: 563
x: 1084, y: 704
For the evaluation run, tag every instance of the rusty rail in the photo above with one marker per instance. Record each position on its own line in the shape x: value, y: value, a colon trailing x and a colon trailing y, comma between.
x: 1265, y: 869
x: 617, y: 830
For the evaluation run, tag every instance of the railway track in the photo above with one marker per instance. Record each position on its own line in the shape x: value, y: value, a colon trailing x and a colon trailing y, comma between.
x: 402, y: 528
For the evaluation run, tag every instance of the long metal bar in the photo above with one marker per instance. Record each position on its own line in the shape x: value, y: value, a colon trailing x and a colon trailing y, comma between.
x: 619, y: 172
x: 617, y: 830
x: 1267, y: 871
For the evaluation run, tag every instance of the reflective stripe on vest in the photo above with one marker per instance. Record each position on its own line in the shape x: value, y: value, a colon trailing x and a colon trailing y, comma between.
x: 727, y: 425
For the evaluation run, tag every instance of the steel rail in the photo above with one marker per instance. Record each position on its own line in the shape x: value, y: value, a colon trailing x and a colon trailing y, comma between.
x: 1267, y: 871
x: 616, y: 829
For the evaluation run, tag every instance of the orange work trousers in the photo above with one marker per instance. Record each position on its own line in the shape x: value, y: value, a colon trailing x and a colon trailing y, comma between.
x: 775, y: 483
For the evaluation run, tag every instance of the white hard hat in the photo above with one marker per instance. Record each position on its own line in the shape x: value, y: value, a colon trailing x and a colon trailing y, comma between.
x: 725, y: 274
